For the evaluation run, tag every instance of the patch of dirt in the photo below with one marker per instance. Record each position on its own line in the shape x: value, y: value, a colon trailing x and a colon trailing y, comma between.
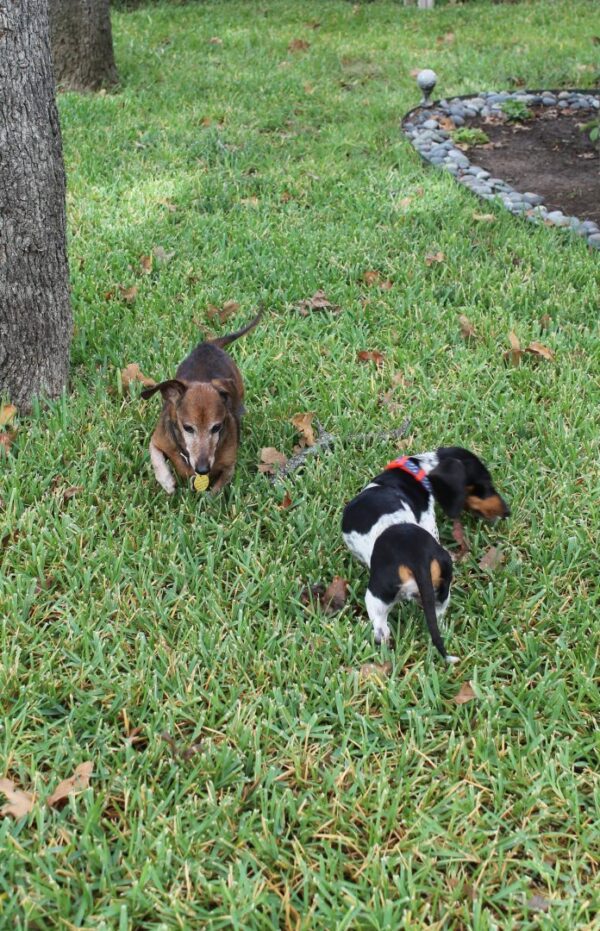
x: 548, y: 155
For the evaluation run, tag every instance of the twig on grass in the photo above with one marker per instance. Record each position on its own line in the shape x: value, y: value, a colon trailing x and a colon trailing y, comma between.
x: 325, y: 440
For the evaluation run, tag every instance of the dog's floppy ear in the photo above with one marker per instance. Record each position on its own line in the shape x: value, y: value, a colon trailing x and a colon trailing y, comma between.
x: 171, y: 390
x: 225, y: 387
x: 449, y: 483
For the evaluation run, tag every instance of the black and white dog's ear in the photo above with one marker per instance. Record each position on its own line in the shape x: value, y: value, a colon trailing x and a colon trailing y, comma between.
x: 449, y: 483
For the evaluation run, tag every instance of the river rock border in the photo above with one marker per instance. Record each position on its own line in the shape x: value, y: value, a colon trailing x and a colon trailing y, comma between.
x: 435, y: 145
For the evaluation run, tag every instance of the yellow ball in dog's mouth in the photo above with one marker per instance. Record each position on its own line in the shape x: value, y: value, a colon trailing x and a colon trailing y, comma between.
x: 200, y: 482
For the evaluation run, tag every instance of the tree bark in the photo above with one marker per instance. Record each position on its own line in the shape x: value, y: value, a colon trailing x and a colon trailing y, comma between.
x: 35, y: 307
x: 82, y: 46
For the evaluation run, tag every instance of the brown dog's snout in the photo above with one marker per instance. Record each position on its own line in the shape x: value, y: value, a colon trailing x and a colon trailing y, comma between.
x: 202, y: 468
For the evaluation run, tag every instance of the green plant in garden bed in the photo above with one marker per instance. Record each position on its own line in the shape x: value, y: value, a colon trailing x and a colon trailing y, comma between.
x: 516, y: 111
x: 467, y: 135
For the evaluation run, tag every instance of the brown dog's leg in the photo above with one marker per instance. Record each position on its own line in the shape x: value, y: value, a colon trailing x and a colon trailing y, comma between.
x: 223, y: 479
x: 160, y: 464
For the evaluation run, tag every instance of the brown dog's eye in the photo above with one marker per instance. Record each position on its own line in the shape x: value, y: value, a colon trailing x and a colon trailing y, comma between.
x: 216, y: 428
x: 188, y: 428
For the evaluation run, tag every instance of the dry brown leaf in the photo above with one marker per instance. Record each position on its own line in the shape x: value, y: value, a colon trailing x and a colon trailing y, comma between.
x: 386, y: 285
x: 132, y: 374
x: 539, y: 902
x: 75, y: 784
x: 298, y: 45
x: 271, y: 460
x: 458, y: 534
x: 317, y: 302
x: 128, y: 294
x: 537, y: 349
x: 19, y: 803
x: 492, y: 559
x: 545, y: 321
x: 405, y: 202
x: 215, y: 41
x: 312, y: 593
x: 7, y: 438
x: 335, y: 595
x: 7, y: 413
x: 249, y: 201
x: 467, y: 330
x: 447, y: 123
x: 515, y: 352
x: 70, y: 492
x: 464, y: 694
x: 371, y: 355
x: 414, y: 72
x: 309, y: 88
x: 206, y: 121
x: 286, y: 502
x: 161, y: 256
x: 222, y: 313
x: 146, y: 262
x: 432, y: 257
x: 447, y: 39
x: 484, y: 217
x: 371, y: 278
x: 377, y: 670
x: 303, y: 424
x: 171, y: 207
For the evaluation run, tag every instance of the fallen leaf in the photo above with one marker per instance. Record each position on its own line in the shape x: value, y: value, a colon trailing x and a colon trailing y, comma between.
x: 371, y: 355
x: 515, y: 352
x: 171, y: 207
x: 405, y: 202
x: 309, y: 88
x: 537, y: 349
x: 484, y: 217
x: 206, y: 121
x: 146, y: 262
x: 377, y: 670
x: 108, y: 295
x: 285, y: 197
x: 298, y: 45
x: 386, y: 285
x: 371, y: 278
x: 312, y: 593
x: 132, y: 374
x: 432, y: 257
x: 161, y: 256
x: 492, y: 559
x: 458, y: 534
x: 303, y: 424
x: 75, y: 784
x: 539, y: 902
x: 414, y: 72
x: 467, y: 330
x: 19, y: 803
x: 446, y: 39
x: 70, y: 492
x: 313, y: 24
x: 215, y: 41
x: 7, y: 438
x: 334, y: 597
x: 446, y: 123
x: 596, y: 40
x: 286, y: 502
x: 129, y: 294
x: 545, y: 321
x: 223, y: 313
x: 177, y: 751
x: 271, y: 460
x: 317, y: 302
x: 7, y: 413
x: 464, y: 694
x: 249, y: 201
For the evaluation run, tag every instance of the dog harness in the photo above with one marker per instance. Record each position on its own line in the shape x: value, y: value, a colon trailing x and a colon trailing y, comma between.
x: 410, y: 467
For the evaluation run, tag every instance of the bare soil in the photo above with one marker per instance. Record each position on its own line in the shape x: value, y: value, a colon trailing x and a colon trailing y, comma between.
x: 548, y: 155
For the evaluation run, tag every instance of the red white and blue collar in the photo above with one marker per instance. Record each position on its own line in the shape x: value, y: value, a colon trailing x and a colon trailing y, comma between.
x: 407, y: 465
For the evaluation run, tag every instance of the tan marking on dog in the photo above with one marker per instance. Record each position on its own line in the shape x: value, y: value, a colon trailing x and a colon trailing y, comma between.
x: 487, y: 507
x: 405, y: 574
x: 436, y: 573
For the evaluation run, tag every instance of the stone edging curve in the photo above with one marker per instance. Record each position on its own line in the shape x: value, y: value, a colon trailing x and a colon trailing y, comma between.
x: 435, y: 146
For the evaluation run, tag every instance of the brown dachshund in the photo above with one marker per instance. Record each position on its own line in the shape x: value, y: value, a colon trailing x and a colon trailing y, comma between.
x: 199, y: 427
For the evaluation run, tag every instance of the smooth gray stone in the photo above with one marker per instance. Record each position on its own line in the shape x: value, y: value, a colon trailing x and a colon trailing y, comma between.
x: 563, y: 95
x: 549, y: 101
x: 452, y: 167
x: 437, y: 159
x: 458, y: 119
x: 563, y: 104
x: 516, y: 197
x: 477, y: 102
x: 431, y: 124
x: 533, y: 199
x: 590, y: 226
x: 594, y: 240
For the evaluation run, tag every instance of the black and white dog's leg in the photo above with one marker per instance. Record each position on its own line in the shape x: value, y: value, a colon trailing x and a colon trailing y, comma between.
x: 378, y: 611
x: 162, y: 470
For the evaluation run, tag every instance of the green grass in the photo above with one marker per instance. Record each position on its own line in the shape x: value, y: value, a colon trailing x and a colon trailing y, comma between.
x: 316, y: 800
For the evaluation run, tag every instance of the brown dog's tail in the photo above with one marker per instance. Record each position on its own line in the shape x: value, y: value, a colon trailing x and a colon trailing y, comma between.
x: 222, y: 341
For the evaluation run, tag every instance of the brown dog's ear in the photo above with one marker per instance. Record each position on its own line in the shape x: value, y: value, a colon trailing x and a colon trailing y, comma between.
x: 171, y: 390
x: 225, y: 387
x: 449, y: 483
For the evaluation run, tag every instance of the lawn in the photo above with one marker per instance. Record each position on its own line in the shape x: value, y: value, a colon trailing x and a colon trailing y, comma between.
x: 315, y: 798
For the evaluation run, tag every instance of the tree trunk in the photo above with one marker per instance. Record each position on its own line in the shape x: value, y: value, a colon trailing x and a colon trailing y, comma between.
x: 35, y: 308
x: 82, y: 47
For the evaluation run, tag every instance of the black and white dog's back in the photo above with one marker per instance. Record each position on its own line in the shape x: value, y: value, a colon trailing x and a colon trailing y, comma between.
x: 391, y: 527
